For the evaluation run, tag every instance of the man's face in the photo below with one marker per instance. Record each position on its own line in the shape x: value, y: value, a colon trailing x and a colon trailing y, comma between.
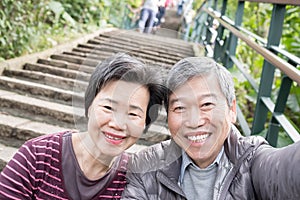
x: 199, y: 118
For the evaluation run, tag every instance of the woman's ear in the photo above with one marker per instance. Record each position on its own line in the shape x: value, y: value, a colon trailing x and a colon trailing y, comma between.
x: 89, y: 111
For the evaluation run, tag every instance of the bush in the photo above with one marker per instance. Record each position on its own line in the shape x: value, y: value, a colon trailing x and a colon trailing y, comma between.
x: 34, y: 25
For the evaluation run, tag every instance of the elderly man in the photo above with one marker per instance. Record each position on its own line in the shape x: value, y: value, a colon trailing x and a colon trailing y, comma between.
x: 207, y: 157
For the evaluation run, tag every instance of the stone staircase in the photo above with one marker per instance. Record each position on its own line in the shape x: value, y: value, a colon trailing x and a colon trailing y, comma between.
x: 46, y: 96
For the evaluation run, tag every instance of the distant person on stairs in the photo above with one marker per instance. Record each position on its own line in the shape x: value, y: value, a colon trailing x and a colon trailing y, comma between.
x: 163, y: 4
x: 149, y: 10
x: 90, y: 165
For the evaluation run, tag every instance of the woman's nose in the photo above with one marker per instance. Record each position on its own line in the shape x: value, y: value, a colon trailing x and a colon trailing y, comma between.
x: 118, y: 121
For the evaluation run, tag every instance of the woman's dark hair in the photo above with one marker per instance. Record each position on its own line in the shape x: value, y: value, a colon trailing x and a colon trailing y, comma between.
x: 124, y: 67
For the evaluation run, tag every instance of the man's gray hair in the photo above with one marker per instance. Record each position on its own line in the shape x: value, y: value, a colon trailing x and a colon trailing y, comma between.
x: 188, y: 68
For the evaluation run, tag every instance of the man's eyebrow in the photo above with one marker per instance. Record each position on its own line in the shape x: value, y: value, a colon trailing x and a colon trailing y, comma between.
x: 201, y: 97
x: 173, y: 101
x: 209, y: 95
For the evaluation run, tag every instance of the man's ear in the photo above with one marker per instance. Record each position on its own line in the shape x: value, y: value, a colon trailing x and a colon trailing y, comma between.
x: 232, y: 111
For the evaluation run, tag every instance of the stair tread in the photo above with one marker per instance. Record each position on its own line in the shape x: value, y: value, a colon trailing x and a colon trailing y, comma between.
x: 12, y: 96
x: 44, y: 78
x: 27, y: 124
x: 38, y: 85
x: 6, y: 153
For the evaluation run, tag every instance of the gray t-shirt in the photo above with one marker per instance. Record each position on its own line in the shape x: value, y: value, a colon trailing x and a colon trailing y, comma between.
x: 199, y: 183
x: 195, y: 182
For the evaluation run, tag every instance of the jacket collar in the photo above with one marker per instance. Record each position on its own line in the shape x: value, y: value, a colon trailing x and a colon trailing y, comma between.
x: 169, y: 174
x: 236, y: 146
x: 172, y: 161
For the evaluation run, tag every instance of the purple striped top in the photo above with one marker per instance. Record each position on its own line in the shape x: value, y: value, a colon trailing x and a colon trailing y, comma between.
x: 35, y: 172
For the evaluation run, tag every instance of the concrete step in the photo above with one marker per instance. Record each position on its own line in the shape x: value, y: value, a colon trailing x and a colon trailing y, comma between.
x: 135, y: 51
x: 152, y: 40
x: 155, y: 48
x: 67, y: 73
x: 66, y: 65
x: 46, y: 79
x: 150, y: 50
x: 39, y: 110
x: 132, y: 46
x: 14, y: 131
x: 76, y: 59
x: 38, y: 90
x: 6, y: 154
x: 24, y: 129
x: 98, y: 49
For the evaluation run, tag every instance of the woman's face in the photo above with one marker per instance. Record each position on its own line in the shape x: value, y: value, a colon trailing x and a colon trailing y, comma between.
x: 117, y: 116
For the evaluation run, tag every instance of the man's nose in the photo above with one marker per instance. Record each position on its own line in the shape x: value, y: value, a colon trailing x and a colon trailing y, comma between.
x: 195, y: 118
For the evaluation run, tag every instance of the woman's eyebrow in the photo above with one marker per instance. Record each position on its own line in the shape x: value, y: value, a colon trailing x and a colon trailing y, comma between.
x: 115, y: 102
x: 109, y: 100
x: 136, y: 108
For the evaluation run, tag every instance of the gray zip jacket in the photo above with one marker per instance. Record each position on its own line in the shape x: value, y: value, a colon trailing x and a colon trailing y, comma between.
x: 249, y: 169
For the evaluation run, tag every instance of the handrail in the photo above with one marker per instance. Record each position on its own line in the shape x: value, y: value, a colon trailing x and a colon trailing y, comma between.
x: 285, y: 2
x: 281, y: 64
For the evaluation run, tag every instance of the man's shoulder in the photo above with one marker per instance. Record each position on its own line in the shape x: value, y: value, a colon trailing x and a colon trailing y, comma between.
x: 246, y: 141
x: 150, y: 158
x: 155, y: 151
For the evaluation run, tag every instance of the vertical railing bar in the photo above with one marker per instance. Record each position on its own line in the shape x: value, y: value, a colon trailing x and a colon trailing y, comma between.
x: 267, y: 76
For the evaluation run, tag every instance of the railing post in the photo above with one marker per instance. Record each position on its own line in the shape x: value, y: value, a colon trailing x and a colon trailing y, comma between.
x: 266, y: 81
x: 218, y: 50
x: 232, y: 38
x: 284, y: 91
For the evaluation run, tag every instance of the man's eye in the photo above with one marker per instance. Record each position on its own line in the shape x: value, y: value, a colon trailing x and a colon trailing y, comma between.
x: 207, y: 105
x: 179, y: 109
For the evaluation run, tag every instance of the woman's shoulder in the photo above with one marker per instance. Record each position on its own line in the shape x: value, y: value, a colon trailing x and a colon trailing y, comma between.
x: 45, y: 144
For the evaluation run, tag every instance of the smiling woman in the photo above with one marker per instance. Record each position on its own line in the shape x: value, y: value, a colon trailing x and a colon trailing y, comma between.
x: 91, y: 164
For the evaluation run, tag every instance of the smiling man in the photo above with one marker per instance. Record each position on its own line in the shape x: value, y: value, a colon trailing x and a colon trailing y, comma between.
x: 207, y: 158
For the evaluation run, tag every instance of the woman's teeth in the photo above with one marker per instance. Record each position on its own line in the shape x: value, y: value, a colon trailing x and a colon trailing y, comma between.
x: 112, y: 138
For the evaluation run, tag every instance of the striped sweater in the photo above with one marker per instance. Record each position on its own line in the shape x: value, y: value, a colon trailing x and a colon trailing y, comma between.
x: 35, y: 173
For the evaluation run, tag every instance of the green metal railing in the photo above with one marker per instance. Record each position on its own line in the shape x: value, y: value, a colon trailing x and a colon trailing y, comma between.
x: 223, y: 49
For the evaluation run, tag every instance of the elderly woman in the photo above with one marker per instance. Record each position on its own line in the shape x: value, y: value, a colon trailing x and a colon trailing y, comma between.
x: 91, y: 164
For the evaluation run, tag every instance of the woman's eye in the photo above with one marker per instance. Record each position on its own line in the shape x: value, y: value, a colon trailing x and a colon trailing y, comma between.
x: 107, y: 107
x: 133, y: 114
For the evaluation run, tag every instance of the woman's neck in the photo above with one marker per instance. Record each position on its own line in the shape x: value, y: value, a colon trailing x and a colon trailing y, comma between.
x: 92, y: 163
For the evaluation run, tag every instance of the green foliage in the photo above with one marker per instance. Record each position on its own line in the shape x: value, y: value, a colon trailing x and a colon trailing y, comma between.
x: 34, y: 25
x: 291, y: 30
x: 16, y: 27
x: 258, y: 23
x: 283, y: 139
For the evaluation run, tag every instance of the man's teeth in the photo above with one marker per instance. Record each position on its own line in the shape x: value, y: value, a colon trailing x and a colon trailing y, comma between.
x: 112, y: 138
x: 198, y: 138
